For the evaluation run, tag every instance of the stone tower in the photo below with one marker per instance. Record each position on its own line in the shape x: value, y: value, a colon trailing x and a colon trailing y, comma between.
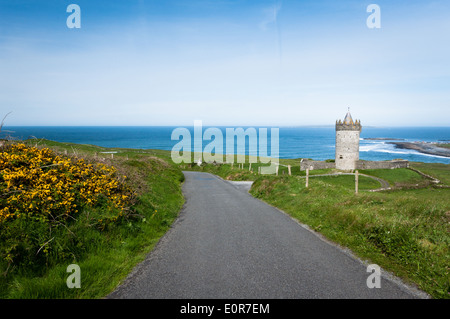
x: 347, y: 142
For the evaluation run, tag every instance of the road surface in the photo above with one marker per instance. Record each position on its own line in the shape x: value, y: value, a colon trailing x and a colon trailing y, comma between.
x: 228, y: 245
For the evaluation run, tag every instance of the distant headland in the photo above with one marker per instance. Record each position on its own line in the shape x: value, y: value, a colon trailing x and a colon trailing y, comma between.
x: 383, y: 139
x: 423, y: 147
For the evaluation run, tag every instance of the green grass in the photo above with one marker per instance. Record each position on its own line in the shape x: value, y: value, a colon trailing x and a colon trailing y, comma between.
x: 106, y: 257
x: 346, y: 181
x: 437, y: 170
x: 396, y: 177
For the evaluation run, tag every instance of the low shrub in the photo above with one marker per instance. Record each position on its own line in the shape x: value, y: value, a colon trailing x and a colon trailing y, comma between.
x: 43, y: 195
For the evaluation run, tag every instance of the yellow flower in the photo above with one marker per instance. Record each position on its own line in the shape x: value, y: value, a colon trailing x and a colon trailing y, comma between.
x: 40, y: 188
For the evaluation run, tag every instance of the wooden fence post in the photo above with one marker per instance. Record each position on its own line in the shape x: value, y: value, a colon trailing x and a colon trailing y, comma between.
x: 356, y: 181
x: 289, y: 169
x: 307, y: 177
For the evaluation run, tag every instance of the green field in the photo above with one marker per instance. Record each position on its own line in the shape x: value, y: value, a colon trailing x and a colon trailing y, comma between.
x: 436, y: 170
x: 397, y: 177
x: 346, y: 181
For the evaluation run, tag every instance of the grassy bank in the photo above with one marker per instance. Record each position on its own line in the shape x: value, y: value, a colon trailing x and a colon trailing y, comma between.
x: 105, y: 254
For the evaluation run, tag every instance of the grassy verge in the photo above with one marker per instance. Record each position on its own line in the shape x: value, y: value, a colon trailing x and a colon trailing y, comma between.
x: 105, y: 256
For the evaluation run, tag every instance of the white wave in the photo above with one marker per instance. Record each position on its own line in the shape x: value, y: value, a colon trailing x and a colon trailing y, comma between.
x: 431, y: 155
x: 383, y: 147
x: 370, y: 148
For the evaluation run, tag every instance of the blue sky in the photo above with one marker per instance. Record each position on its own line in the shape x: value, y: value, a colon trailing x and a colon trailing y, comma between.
x: 225, y: 62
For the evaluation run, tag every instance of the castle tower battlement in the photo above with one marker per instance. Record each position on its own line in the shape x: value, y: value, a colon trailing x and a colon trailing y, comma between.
x: 347, y: 142
x: 348, y: 124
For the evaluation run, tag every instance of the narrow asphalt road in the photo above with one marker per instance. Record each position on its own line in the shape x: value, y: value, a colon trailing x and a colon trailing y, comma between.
x: 228, y: 245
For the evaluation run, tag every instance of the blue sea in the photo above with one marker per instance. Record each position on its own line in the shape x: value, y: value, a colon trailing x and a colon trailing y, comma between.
x: 294, y: 142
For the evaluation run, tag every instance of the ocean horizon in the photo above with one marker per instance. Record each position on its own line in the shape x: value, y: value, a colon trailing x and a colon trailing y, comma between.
x: 315, y: 142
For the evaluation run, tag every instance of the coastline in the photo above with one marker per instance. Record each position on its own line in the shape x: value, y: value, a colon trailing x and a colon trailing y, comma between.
x: 423, y: 147
x: 383, y: 139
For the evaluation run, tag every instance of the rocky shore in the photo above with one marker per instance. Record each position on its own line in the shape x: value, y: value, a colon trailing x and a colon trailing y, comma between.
x: 422, y: 147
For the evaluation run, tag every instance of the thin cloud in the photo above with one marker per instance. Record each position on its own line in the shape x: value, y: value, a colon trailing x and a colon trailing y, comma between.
x: 270, y: 16
x: 271, y: 20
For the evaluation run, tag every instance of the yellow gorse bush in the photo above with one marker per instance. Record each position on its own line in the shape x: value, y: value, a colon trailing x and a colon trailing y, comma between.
x: 40, y: 185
